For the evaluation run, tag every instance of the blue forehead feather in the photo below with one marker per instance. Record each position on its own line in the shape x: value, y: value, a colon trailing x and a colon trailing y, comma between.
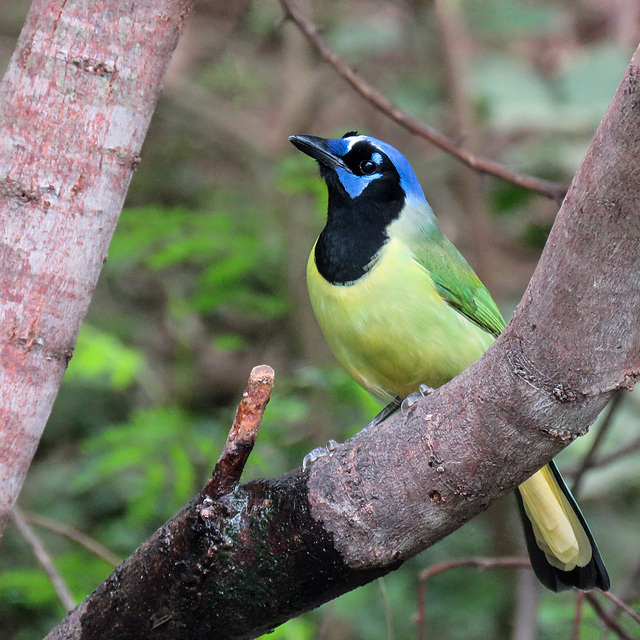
x: 354, y: 185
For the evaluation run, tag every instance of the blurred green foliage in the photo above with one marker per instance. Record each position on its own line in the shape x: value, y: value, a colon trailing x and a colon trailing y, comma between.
x: 205, y: 279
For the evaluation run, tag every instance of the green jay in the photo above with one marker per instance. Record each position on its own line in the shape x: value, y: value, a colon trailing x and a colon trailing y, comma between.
x: 400, y: 308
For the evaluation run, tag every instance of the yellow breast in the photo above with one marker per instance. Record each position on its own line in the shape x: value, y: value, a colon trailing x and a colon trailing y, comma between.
x: 391, y: 330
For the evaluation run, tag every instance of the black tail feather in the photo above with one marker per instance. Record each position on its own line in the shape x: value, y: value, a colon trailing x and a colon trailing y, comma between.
x: 593, y: 575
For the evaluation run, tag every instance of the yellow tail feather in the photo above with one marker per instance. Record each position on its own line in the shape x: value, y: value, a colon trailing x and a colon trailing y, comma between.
x: 557, y: 530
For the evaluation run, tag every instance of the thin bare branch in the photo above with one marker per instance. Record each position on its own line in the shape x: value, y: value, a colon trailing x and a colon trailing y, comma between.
x: 243, y: 433
x: 588, y: 460
x: 607, y: 619
x: 526, y: 612
x: 624, y: 606
x: 388, y: 613
x: 629, y: 589
x: 44, y: 560
x: 546, y: 188
x: 74, y: 535
x: 476, y: 561
x: 633, y: 446
x: 577, y: 618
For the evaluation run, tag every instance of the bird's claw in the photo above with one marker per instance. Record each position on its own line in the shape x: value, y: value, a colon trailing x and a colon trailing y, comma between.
x: 408, y: 402
x: 319, y: 452
x: 423, y: 391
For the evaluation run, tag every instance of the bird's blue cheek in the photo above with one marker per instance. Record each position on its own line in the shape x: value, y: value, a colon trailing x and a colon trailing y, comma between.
x: 355, y: 185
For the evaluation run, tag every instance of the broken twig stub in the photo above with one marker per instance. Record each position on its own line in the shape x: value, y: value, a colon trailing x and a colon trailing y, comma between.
x: 244, y: 431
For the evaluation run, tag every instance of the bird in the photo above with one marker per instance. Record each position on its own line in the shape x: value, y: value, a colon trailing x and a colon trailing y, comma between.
x: 401, y: 308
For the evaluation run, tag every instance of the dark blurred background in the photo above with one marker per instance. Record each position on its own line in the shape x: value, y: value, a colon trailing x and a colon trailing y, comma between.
x: 206, y: 278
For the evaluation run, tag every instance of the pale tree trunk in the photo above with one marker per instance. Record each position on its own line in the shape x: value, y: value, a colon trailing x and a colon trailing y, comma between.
x: 75, y: 105
x: 241, y: 559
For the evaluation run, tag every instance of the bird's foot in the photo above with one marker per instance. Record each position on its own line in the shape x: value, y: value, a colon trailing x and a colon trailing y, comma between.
x: 423, y: 391
x: 319, y: 452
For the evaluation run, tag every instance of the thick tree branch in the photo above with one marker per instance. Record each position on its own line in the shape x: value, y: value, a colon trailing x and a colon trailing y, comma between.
x: 75, y: 105
x: 384, y: 105
x: 268, y: 550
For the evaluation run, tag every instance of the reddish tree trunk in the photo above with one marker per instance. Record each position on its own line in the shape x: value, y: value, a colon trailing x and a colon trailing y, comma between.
x: 75, y: 105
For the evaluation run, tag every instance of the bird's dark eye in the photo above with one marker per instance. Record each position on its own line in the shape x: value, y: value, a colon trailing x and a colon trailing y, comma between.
x: 368, y: 167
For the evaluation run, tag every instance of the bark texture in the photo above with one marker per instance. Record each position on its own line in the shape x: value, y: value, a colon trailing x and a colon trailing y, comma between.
x: 237, y: 565
x: 75, y: 105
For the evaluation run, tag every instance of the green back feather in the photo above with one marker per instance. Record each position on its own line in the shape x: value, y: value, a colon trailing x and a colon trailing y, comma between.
x: 460, y: 287
x: 455, y: 280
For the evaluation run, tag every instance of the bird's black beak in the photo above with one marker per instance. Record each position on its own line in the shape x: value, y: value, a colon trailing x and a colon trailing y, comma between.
x: 318, y: 149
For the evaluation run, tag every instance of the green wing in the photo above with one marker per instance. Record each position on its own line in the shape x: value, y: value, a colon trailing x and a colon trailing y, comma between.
x: 456, y: 281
